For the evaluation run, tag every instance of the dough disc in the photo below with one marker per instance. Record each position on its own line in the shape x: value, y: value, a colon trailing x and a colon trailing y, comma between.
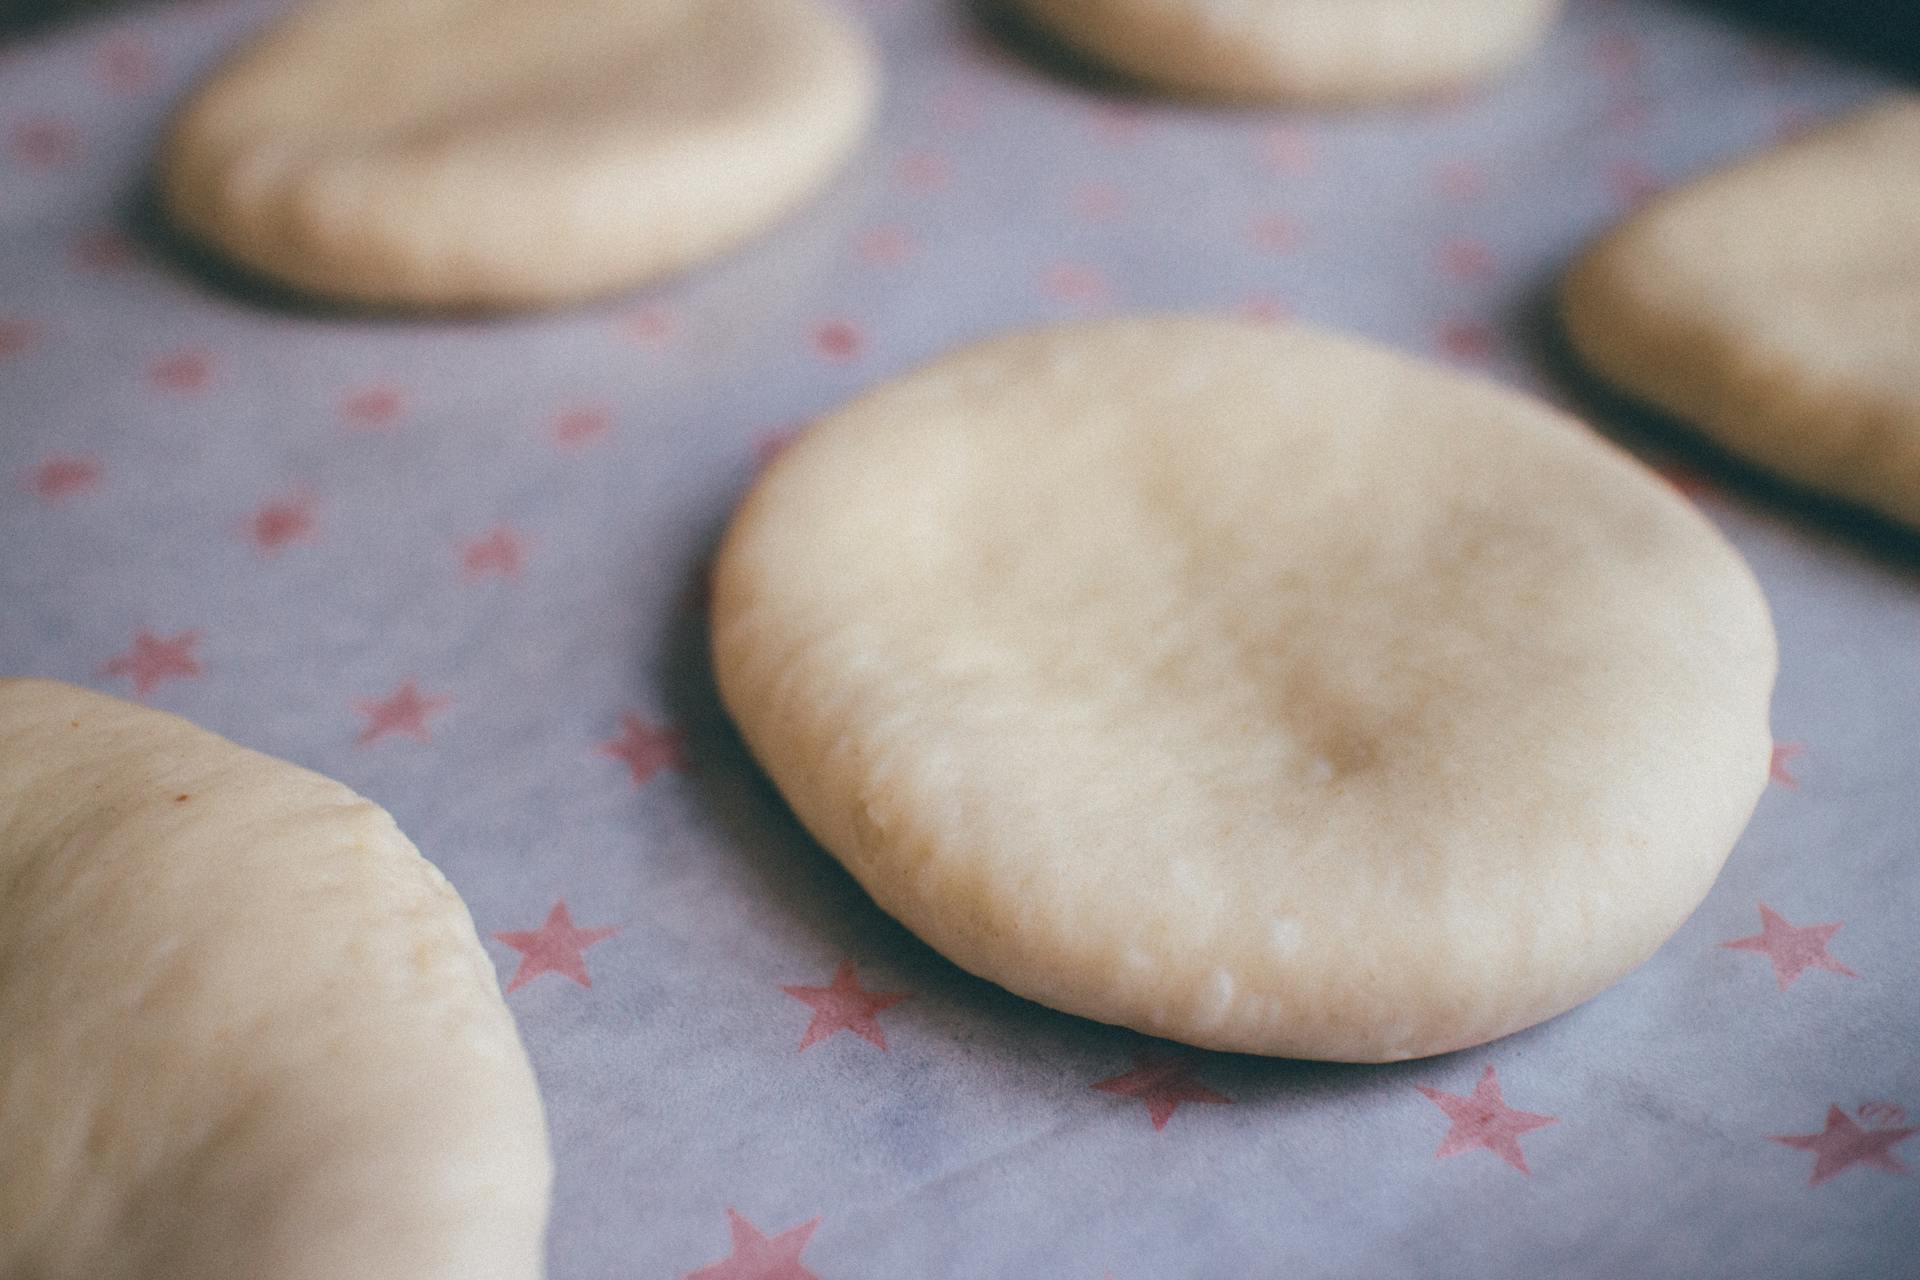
x: 249, y: 1031
x: 1314, y: 51
x: 493, y: 153
x: 1776, y: 306
x: 1257, y: 688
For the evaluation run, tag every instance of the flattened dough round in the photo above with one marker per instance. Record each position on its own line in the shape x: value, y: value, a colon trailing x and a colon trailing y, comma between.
x: 494, y: 153
x: 1314, y: 51
x: 1257, y: 688
x: 1776, y: 306
x: 249, y: 1031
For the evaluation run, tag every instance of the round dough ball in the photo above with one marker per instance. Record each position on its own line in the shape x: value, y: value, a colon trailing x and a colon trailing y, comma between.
x: 492, y: 153
x: 1308, y: 51
x: 249, y: 1031
x: 1776, y: 306
x: 1257, y: 688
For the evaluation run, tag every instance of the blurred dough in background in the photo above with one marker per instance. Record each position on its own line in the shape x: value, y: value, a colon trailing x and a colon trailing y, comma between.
x: 249, y: 1031
x: 1308, y: 51
x: 1776, y: 306
x: 492, y: 153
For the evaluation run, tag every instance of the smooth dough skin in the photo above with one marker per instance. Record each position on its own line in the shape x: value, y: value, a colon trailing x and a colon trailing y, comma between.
x: 1775, y: 305
x: 1302, y: 51
x: 249, y: 1033
x: 494, y: 153
x: 1256, y: 688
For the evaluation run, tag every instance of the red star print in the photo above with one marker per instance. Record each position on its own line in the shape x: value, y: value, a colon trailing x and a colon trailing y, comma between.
x: 280, y: 522
x: 44, y: 144
x: 557, y: 946
x: 1777, y: 767
x: 650, y: 326
x: 958, y: 107
x: 756, y: 1257
x: 106, y: 250
x: 923, y: 171
x: 1483, y: 1119
x: 1793, y: 949
x: 644, y: 749
x: 16, y: 336
x: 126, y: 65
x: 837, y: 340
x: 1073, y: 283
x: 885, y: 246
x: 405, y: 710
x: 845, y: 1006
x: 1266, y: 309
x: 1287, y: 150
x: 1098, y: 202
x: 153, y: 660
x: 500, y: 553
x: 61, y: 477
x: 1461, y: 180
x: 578, y: 428
x: 1276, y: 233
x: 1466, y: 260
x: 1163, y: 1081
x: 182, y: 371
x: 1843, y: 1143
x: 1466, y: 340
x: 372, y: 408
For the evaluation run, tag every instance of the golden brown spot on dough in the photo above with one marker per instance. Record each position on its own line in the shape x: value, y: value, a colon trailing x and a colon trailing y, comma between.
x: 182, y: 798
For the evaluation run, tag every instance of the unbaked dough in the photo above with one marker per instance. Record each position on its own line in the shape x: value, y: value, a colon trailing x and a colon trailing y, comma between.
x: 249, y: 1033
x: 1314, y: 51
x: 1776, y: 306
x: 1256, y: 688
x: 493, y: 153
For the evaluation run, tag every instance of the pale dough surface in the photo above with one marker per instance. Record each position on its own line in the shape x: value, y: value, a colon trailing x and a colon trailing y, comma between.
x: 1312, y: 51
x: 249, y: 1031
x: 1775, y: 305
x: 491, y: 153
x: 1260, y: 689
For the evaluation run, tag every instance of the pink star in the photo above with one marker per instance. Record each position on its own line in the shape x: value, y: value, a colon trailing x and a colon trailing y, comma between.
x: 280, y: 522
x: 405, y: 710
x: 1461, y: 180
x: 16, y: 336
x: 845, y: 1006
x: 1276, y: 233
x: 755, y: 1257
x: 105, y: 250
x: 1074, y: 283
x: 500, y: 553
x: 1098, y: 202
x: 923, y: 171
x: 1264, y: 308
x: 152, y: 660
x: 1632, y: 182
x: 372, y: 408
x: 1118, y: 122
x: 1483, y: 1119
x: 578, y: 428
x: 1163, y: 1081
x: 62, y: 476
x: 645, y: 749
x: 126, y: 64
x: 1793, y: 949
x: 557, y: 946
x: 837, y: 340
x: 1466, y: 340
x: 45, y: 143
x: 1288, y: 149
x: 1466, y: 260
x: 182, y: 371
x: 1843, y: 1143
x: 885, y: 246
x: 771, y: 444
x: 649, y: 326
x: 1777, y: 767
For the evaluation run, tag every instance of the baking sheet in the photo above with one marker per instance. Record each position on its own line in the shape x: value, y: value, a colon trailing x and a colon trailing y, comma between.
x: 457, y: 564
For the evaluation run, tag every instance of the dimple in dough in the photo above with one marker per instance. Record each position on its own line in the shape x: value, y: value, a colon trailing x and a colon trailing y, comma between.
x: 1308, y: 51
x: 496, y: 153
x: 249, y: 1031
x: 1775, y: 305
x: 1261, y: 689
